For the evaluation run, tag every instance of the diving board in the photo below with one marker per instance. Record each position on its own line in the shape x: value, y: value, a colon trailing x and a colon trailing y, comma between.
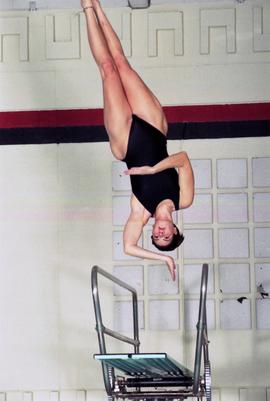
x: 146, y: 365
x: 151, y: 376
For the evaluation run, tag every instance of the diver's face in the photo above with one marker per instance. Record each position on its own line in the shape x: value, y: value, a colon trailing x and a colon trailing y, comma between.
x: 163, y: 232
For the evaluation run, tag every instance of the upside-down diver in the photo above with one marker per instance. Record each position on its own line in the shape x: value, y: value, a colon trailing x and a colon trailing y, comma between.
x: 137, y: 129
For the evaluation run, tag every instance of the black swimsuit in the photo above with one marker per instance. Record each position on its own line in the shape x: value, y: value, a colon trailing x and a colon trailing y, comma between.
x: 147, y: 147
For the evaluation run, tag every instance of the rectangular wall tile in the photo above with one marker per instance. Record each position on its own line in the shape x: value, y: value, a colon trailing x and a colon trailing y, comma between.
x: 263, y: 314
x: 164, y: 315
x: 192, y: 312
x: 216, y: 394
x: 132, y: 275
x: 14, y: 396
x: 261, y: 207
x: 121, y: 210
x: 42, y: 396
x: 253, y: 394
x: 232, y: 208
x: 202, y: 173
x: 81, y: 395
x: 233, y: 243
x: 118, y: 252
x: 198, y: 244
x: 200, y: 211
x: 262, y: 271
x: 27, y: 396
x: 68, y: 395
x: 123, y: 316
x: 54, y: 396
x: 234, y: 278
x: 235, y: 315
x: 96, y: 395
x: 229, y: 394
x: 192, y: 278
x: 160, y: 281
x: 262, y: 242
x: 260, y: 171
x: 120, y: 181
x: 232, y: 173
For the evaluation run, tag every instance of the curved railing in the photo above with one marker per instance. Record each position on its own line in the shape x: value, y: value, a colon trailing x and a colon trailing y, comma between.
x: 202, y: 340
x: 108, y: 374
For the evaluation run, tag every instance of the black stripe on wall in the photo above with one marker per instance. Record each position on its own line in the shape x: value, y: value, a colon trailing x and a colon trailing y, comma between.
x: 190, y: 130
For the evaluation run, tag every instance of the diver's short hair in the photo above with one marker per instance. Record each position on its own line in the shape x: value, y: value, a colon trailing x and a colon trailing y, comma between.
x: 175, y: 242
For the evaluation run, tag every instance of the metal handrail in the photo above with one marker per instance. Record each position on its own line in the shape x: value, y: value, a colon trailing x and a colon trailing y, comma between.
x: 102, y: 330
x: 201, y: 341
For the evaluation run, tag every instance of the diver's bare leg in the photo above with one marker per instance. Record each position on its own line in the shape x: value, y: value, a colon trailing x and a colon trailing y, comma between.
x: 117, y: 112
x: 142, y: 101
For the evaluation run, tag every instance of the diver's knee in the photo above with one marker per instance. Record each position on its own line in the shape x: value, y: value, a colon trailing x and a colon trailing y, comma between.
x: 107, y: 68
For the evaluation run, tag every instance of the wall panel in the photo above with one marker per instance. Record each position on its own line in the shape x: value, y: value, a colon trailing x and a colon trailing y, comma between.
x: 207, y: 54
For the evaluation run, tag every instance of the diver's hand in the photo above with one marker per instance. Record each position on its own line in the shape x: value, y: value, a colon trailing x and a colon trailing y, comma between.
x: 171, y: 265
x: 140, y: 170
x: 86, y: 3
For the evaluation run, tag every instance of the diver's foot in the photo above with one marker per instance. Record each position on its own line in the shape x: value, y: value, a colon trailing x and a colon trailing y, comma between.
x: 86, y: 3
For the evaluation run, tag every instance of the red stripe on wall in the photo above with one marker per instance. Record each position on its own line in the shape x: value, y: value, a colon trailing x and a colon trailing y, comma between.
x: 51, y: 118
x: 226, y: 112
x: 88, y: 117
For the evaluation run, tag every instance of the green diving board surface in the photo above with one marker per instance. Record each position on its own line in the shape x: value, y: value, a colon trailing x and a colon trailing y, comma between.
x: 145, y: 365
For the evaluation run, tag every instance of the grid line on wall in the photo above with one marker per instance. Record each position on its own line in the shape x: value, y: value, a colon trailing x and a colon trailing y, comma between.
x: 242, y: 230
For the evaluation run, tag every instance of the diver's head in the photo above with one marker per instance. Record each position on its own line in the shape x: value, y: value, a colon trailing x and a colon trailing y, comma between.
x: 165, y: 235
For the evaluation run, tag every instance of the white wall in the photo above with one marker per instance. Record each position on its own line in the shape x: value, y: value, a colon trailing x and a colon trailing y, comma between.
x: 57, y: 205
x: 57, y: 202
x: 55, y: 208
x: 228, y: 228
x: 204, y: 54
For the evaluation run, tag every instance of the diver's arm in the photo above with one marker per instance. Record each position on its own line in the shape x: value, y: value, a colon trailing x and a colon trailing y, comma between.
x: 177, y: 160
x: 132, y: 233
x: 185, y: 173
x: 186, y: 184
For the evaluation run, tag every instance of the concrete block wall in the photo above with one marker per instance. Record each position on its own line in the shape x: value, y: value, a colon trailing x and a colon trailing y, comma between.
x: 229, y: 236
x: 59, y: 217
